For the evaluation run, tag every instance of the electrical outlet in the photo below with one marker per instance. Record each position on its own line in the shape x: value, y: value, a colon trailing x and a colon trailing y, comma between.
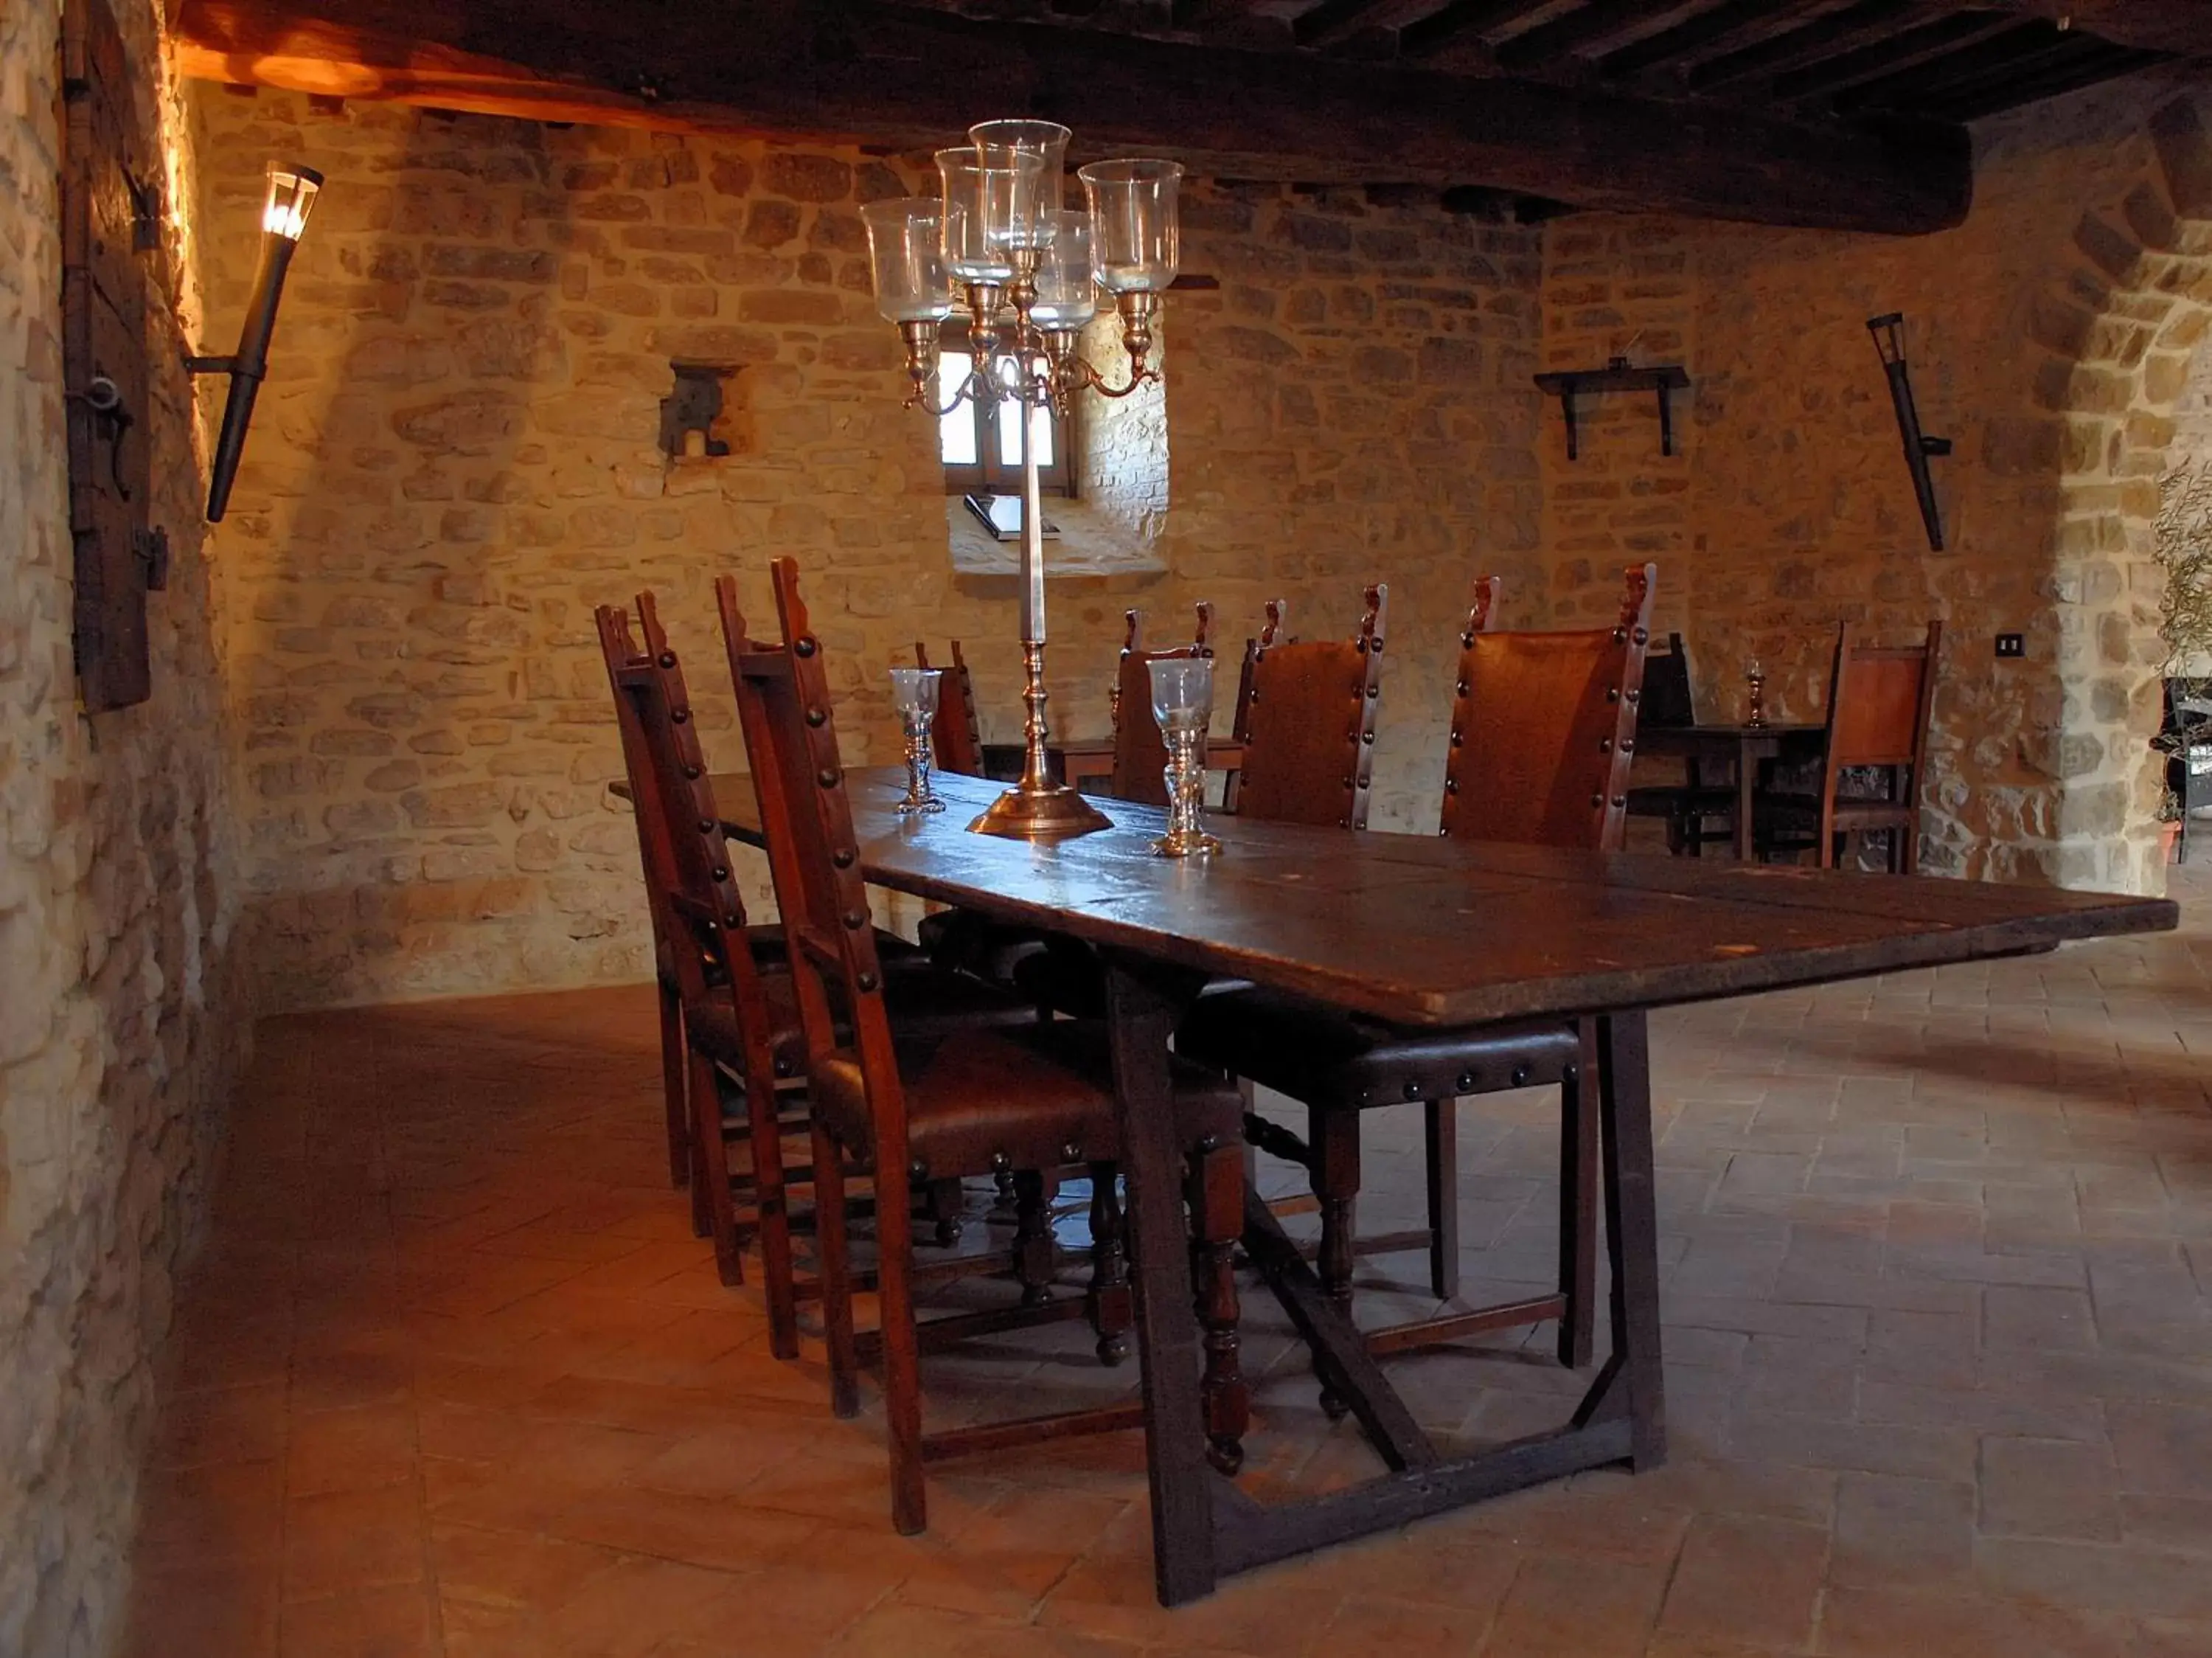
x: 2012, y: 644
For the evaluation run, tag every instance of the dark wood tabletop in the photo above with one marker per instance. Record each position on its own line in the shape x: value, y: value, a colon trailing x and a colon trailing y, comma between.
x: 1421, y: 930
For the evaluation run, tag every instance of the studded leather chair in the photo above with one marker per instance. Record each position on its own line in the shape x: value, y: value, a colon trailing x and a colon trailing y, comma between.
x: 1542, y: 728
x: 1032, y: 1099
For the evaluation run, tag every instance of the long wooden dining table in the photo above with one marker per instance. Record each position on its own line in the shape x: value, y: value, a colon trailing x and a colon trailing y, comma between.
x: 1419, y: 932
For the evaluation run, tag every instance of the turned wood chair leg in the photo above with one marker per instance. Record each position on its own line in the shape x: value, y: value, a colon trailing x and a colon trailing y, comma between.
x: 1109, y: 1307
x: 1033, y: 1247
x: 1216, y: 1193
x: 772, y: 1222
x: 675, y: 1057
x: 946, y: 1201
x: 1442, y: 1150
x: 711, y: 1171
x: 833, y: 1259
x: 902, y: 1354
x: 1579, y: 1170
x: 1334, y: 1138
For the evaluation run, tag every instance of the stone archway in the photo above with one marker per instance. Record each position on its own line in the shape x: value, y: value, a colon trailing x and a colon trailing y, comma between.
x: 2120, y: 324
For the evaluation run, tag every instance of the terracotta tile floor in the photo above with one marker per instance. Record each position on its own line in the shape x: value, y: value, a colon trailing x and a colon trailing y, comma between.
x: 453, y: 1375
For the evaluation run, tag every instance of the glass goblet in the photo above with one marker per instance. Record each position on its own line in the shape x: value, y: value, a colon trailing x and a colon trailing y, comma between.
x: 913, y: 693
x: 1182, y: 703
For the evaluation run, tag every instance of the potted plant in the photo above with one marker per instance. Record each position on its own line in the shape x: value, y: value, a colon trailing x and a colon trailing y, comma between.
x: 2184, y: 550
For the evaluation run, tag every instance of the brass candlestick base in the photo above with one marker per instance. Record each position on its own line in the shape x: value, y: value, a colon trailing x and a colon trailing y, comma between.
x: 1036, y: 807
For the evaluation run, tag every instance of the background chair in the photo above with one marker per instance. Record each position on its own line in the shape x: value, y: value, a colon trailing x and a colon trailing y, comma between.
x: 1551, y: 716
x: 1032, y: 1099
x: 1306, y: 713
x: 1880, y: 700
x: 954, y: 733
x: 1688, y: 808
x: 1140, y: 756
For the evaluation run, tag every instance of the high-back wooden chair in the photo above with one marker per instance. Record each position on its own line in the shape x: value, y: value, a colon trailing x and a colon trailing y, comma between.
x: 1697, y: 812
x: 954, y: 733
x: 1879, y: 700
x: 737, y: 1038
x: 1140, y: 758
x: 1306, y: 713
x: 1578, y: 694
x: 620, y: 652
x: 1544, y: 727
x: 1031, y: 1099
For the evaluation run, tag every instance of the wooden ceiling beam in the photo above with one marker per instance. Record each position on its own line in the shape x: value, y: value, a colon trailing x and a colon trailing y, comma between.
x: 1461, y: 20
x: 1909, y: 50
x: 2183, y: 27
x: 1726, y: 27
x: 2030, y: 43
x: 1597, y: 25
x: 1824, y: 37
x: 2101, y: 60
x: 908, y: 77
x: 1335, y: 21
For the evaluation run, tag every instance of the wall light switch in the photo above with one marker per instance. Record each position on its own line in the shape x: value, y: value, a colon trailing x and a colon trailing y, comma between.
x: 2012, y: 644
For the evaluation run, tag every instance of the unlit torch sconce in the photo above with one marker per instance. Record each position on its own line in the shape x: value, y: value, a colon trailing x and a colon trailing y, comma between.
x: 1888, y: 333
x: 291, y: 191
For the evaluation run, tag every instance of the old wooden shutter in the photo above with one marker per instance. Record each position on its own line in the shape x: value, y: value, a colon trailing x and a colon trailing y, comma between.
x: 111, y: 246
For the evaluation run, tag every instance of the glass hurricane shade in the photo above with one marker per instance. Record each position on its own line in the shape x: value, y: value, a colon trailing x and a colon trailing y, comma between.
x: 1182, y: 694
x: 990, y: 210
x: 906, y: 255
x: 292, y: 193
x: 913, y: 690
x: 999, y: 141
x: 1136, y: 243
x: 1066, y: 298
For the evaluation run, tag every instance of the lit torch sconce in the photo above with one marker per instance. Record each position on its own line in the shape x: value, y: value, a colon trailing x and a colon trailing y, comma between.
x: 291, y: 191
x: 1888, y: 333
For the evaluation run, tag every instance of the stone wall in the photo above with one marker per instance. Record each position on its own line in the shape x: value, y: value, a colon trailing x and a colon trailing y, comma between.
x: 455, y: 460
x: 2048, y: 335
x: 122, y: 1017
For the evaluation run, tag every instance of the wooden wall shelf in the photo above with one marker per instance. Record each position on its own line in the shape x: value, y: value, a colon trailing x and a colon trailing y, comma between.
x: 1616, y: 376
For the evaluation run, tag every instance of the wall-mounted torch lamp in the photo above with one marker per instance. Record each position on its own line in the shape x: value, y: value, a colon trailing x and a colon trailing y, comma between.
x: 1888, y: 333
x: 291, y: 191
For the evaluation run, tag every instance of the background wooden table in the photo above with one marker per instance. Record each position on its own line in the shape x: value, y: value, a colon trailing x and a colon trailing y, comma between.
x: 1743, y: 747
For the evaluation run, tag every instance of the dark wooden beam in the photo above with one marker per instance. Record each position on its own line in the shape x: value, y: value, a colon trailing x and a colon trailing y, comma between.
x: 1461, y: 20
x: 2100, y: 60
x: 1869, y: 19
x: 909, y: 77
x: 1735, y: 23
x: 1585, y: 32
x: 1333, y: 21
x: 1899, y: 52
x: 2029, y: 44
x: 2183, y: 27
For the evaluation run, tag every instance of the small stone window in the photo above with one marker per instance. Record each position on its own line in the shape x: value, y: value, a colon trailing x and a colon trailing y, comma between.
x: 694, y: 421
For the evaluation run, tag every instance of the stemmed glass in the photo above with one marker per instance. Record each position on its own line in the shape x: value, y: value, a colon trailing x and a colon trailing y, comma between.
x: 913, y: 693
x: 1182, y: 703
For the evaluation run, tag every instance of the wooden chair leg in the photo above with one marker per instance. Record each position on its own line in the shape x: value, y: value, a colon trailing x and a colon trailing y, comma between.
x: 1111, y: 1309
x: 901, y: 1355
x: 1579, y: 1169
x: 1334, y: 1138
x: 674, y: 1056
x: 772, y: 1221
x: 710, y: 1172
x: 947, y: 1199
x: 1442, y: 1149
x: 1216, y: 1182
x: 1033, y: 1248
x: 833, y: 1256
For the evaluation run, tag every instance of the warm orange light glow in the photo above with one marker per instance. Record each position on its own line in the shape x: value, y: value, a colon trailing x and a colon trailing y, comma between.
x: 291, y: 191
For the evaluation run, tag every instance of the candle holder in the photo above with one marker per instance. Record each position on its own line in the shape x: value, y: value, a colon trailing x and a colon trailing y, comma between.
x: 1182, y: 703
x: 1755, y: 678
x: 1027, y: 272
x: 913, y: 693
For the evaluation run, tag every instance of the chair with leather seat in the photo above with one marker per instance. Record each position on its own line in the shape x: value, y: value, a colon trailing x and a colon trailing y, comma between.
x: 954, y: 733
x: 738, y: 1015
x: 1542, y: 728
x: 1140, y: 758
x: 1034, y: 1099
x: 1880, y: 701
x: 1689, y: 808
